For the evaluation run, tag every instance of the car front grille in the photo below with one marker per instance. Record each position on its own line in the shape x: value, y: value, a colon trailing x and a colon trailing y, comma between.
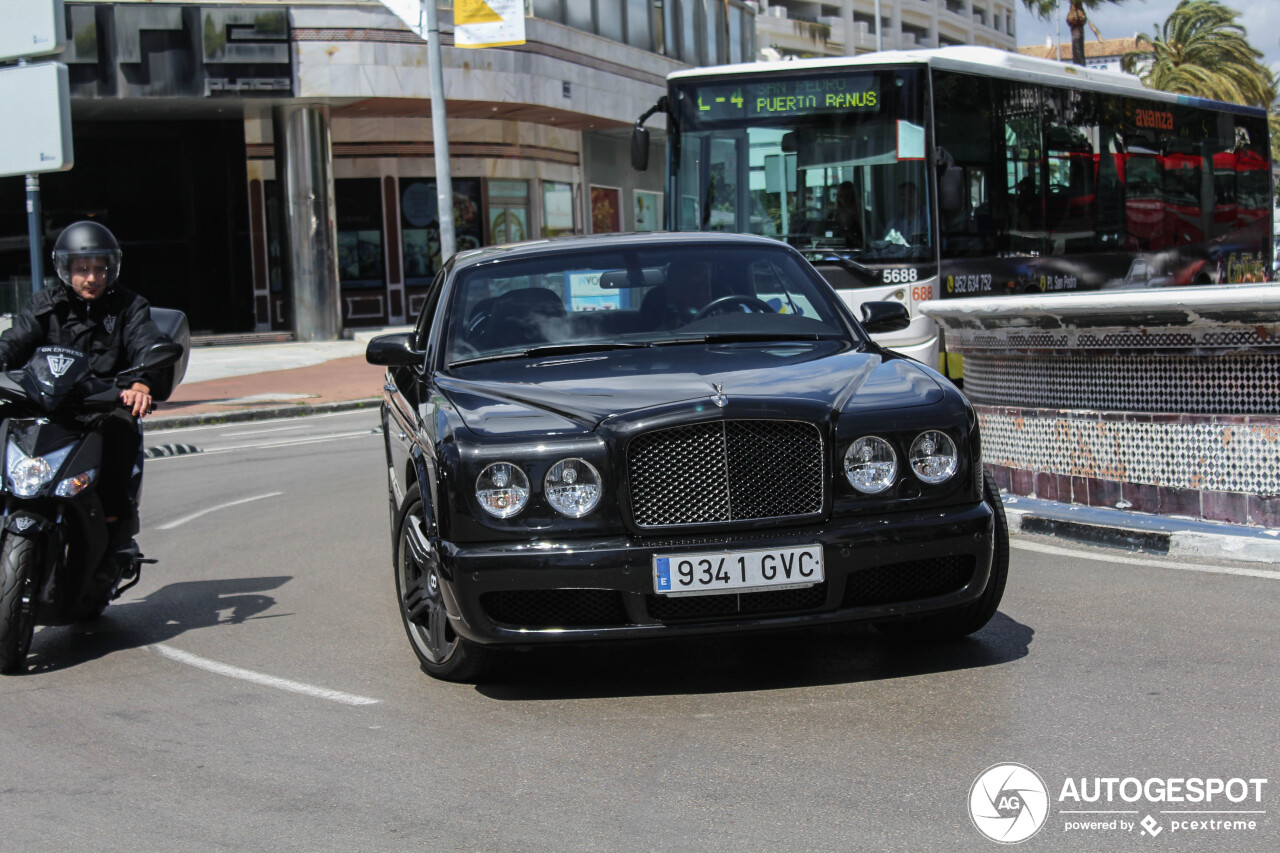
x: 765, y: 602
x: 726, y: 471
x: 555, y: 608
x: 908, y: 581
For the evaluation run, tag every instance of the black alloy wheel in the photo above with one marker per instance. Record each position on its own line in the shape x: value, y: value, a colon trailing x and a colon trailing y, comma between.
x: 442, y: 653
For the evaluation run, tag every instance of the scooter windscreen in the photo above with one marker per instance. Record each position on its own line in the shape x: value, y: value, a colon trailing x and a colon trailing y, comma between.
x: 57, y: 370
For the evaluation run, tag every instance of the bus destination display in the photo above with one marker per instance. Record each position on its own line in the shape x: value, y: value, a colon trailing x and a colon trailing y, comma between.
x: 784, y: 97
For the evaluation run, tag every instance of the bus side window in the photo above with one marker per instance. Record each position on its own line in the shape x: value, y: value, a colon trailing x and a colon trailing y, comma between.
x: 962, y: 125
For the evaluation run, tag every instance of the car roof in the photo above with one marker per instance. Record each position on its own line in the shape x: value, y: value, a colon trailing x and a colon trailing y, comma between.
x: 608, y: 242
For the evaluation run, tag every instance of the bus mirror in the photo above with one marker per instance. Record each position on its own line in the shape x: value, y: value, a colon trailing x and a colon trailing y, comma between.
x: 789, y: 141
x: 640, y: 148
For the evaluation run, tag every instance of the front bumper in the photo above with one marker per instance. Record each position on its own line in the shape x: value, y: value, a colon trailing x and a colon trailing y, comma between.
x: 877, y: 568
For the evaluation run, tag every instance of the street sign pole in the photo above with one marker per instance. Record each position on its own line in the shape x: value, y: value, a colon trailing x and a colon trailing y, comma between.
x: 440, y: 136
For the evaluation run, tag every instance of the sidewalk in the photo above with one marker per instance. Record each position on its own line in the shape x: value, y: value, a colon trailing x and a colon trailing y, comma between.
x: 261, y: 381
x: 266, y: 381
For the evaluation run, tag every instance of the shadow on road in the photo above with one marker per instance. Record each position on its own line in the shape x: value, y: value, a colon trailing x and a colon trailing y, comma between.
x: 746, y: 662
x: 159, y: 617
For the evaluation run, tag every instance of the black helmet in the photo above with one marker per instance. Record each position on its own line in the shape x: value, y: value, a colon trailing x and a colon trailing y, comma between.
x: 86, y: 239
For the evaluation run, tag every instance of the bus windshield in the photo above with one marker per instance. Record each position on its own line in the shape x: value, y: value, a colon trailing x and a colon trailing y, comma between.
x: 832, y: 162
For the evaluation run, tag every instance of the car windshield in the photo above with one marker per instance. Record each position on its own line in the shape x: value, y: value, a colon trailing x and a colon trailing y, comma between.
x: 669, y: 295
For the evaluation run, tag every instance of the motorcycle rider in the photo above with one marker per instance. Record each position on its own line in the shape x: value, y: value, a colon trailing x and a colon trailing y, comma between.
x: 89, y: 312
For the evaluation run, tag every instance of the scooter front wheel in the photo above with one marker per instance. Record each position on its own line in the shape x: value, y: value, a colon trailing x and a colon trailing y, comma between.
x: 19, y: 570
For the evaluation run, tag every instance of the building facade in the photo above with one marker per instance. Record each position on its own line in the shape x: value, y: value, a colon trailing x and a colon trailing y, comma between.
x: 210, y: 137
x: 811, y: 28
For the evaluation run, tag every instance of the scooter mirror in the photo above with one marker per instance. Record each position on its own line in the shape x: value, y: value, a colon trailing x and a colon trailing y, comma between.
x: 162, y: 354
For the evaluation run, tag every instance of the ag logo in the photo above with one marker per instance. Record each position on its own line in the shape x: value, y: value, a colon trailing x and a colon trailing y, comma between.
x: 109, y: 322
x: 23, y: 524
x: 1008, y: 803
x: 59, y: 364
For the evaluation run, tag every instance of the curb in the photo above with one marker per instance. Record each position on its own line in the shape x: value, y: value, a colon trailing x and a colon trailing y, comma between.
x: 273, y: 413
x: 1140, y: 532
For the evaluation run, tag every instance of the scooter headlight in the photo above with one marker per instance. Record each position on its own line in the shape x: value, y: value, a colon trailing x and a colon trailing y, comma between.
x: 29, y: 474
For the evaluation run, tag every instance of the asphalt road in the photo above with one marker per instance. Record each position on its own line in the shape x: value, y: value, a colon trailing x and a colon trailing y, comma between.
x: 256, y: 692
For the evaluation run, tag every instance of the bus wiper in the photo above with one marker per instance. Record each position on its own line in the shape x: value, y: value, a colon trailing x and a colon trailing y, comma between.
x: 551, y: 349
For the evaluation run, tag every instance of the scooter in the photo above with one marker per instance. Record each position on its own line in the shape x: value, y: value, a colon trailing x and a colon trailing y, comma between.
x: 59, y: 561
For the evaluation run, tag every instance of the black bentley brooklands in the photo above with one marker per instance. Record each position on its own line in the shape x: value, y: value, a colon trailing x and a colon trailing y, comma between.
x: 652, y: 435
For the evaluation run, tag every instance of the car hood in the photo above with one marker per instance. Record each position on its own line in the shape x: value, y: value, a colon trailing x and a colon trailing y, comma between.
x: 567, y: 394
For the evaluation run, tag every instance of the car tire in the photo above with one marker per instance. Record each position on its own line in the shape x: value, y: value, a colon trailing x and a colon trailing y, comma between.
x: 966, y: 620
x: 441, y: 651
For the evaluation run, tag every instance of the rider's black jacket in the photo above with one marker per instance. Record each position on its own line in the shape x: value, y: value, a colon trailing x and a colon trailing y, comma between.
x: 114, y: 330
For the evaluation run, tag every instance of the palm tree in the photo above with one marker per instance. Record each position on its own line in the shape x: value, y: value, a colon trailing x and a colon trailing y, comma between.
x: 1076, y: 19
x: 1201, y: 50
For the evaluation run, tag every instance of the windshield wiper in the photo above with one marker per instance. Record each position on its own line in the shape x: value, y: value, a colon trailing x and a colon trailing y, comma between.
x: 552, y: 349
x: 734, y: 337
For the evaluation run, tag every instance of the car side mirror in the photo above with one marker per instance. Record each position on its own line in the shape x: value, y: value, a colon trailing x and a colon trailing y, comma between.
x: 887, y: 316
x: 640, y: 148
x: 394, y: 351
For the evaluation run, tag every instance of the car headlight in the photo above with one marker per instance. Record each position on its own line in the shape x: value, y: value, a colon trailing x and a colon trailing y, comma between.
x: 871, y: 465
x: 502, y: 489
x: 29, y: 474
x: 933, y: 457
x: 573, y: 487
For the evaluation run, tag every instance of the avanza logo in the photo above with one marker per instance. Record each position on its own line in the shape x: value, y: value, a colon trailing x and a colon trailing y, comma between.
x: 1157, y: 119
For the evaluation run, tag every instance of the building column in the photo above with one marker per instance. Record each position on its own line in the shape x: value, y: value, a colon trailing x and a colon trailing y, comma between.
x: 304, y: 177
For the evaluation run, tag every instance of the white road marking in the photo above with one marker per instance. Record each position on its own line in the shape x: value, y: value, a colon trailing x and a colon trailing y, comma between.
x: 260, y: 431
x: 1141, y: 561
x: 365, y: 412
x: 178, y: 522
x: 205, y: 450
x: 258, y: 678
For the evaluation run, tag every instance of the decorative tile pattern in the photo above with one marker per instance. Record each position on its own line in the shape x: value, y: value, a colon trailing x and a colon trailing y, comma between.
x: 1198, y: 453
x: 1240, y: 384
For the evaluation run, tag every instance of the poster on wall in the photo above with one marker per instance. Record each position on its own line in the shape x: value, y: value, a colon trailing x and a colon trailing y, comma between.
x: 648, y: 211
x: 420, y: 226
x: 606, y: 210
x: 557, y: 208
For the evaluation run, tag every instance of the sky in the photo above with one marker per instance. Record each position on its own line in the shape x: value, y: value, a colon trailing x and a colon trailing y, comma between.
x: 1261, y: 18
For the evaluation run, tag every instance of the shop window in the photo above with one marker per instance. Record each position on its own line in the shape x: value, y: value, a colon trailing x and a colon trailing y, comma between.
x: 420, y: 225
x: 360, y: 249
x: 508, y: 209
x: 557, y: 209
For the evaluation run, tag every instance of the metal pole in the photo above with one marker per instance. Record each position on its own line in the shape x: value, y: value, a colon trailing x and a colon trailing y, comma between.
x: 879, y: 39
x: 35, y: 231
x: 440, y: 136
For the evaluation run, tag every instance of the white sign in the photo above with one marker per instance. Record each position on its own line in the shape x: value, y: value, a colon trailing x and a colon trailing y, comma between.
x: 32, y: 28
x: 35, y: 135
x: 412, y: 13
x: 488, y: 23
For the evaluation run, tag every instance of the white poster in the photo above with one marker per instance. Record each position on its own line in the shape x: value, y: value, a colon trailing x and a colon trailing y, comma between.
x: 488, y: 23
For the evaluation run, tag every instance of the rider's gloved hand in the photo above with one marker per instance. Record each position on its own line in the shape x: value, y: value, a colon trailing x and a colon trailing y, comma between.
x: 137, y: 397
